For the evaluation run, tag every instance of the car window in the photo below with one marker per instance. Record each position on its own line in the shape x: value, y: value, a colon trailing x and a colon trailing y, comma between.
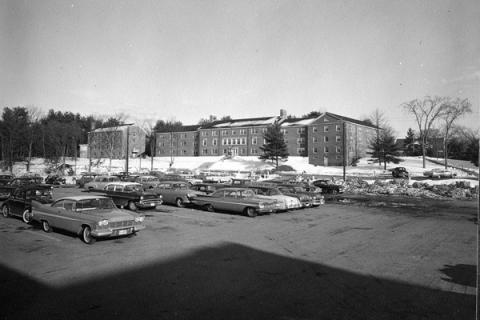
x: 69, y: 205
x: 218, y: 194
x: 110, y: 187
x: 94, y: 203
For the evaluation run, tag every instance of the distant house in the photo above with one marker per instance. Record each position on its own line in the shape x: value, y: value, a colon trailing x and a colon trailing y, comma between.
x: 112, y: 142
x: 435, y: 147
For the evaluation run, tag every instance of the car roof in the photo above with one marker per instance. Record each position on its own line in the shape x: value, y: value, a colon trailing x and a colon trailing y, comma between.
x: 82, y: 197
x: 173, y: 181
x: 124, y: 183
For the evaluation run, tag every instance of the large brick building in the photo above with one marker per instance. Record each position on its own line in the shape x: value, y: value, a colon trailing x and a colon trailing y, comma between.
x: 112, y: 142
x: 320, y: 138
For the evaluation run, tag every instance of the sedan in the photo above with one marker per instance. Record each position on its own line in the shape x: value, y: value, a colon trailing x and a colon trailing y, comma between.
x: 439, y: 173
x: 23, y: 200
x: 237, y: 200
x: 89, y: 216
x: 99, y: 182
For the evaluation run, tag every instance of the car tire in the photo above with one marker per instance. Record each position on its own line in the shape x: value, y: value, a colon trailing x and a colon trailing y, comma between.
x: 46, y: 226
x: 132, y: 206
x: 5, y: 211
x: 209, y: 208
x: 250, y: 212
x: 179, y: 203
x: 87, y: 235
x: 26, y: 216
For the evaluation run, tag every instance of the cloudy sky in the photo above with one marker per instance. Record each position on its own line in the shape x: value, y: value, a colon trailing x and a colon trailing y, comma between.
x: 192, y: 58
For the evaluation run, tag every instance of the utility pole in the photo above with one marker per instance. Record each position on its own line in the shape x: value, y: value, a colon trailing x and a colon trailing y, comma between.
x: 127, y: 152
x: 344, y: 128
x: 153, y: 149
x: 89, y: 152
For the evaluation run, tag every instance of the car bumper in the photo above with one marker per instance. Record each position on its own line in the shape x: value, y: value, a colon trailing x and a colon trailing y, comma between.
x: 149, y: 203
x: 106, y: 233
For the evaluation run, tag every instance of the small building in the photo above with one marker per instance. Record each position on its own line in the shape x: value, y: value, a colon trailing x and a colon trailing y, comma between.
x: 179, y: 142
x: 111, y: 142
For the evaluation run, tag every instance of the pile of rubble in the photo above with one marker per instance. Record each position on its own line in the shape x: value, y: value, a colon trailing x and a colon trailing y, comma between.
x: 458, y: 190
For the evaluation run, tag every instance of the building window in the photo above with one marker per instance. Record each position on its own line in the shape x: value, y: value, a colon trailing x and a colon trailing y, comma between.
x: 254, y: 151
x: 325, y: 139
x: 325, y: 128
x: 254, y: 141
x: 325, y: 149
x: 338, y: 149
x: 204, y: 142
x: 284, y: 131
x: 229, y: 141
x: 254, y: 130
x: 315, y: 150
x: 224, y: 133
x: 205, y: 151
x: 338, y: 138
x: 184, y: 151
x: 300, y: 130
x: 314, y: 139
x: 214, y: 142
x: 264, y: 130
x: 234, y: 132
x: 214, y: 133
x: 300, y: 151
x: 300, y: 140
x: 314, y: 129
x: 215, y: 151
x: 338, y: 157
x: 243, y: 131
x: 244, y: 141
x: 242, y: 151
x: 337, y: 127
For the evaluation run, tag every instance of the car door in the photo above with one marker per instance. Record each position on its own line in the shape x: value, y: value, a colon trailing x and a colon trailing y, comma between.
x: 62, y: 215
x: 17, y: 202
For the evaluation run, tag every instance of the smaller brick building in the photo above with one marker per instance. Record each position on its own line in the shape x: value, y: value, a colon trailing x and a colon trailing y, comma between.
x: 112, y: 141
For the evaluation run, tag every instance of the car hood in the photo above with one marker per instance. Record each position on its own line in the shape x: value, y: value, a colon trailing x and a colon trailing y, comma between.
x: 110, y: 214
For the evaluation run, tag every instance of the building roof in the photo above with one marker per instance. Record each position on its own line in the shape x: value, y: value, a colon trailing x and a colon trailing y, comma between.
x: 363, y: 123
x: 293, y: 122
x: 246, y: 122
x: 180, y: 129
x: 116, y: 128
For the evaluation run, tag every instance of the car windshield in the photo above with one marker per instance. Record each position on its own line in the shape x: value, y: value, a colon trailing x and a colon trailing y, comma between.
x: 94, y: 203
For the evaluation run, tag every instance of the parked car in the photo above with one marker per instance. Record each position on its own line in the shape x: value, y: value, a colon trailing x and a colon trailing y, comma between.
x: 131, y: 195
x: 439, y: 173
x: 148, y: 182
x: 312, y: 199
x: 237, y: 200
x: 55, y: 179
x: 99, y: 182
x: 5, y: 178
x: 176, y: 192
x: 90, y: 216
x: 207, y: 188
x: 328, y: 186
x: 287, y: 202
x: 399, y: 172
x: 26, y: 198
x: 25, y: 180
x: 84, y: 178
x: 126, y: 176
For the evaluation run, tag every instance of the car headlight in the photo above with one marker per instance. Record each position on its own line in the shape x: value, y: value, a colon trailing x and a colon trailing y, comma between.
x: 190, y: 195
x: 139, y: 219
x: 141, y: 197
x: 102, y: 223
x: 261, y: 205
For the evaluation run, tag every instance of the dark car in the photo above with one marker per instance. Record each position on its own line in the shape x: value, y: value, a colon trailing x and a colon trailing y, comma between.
x: 25, y: 198
x: 85, y: 177
x: 55, y: 179
x: 5, y: 178
x: 315, y: 198
x: 399, y: 172
x: 328, y: 186
x: 25, y: 180
x: 131, y: 195
x: 207, y: 188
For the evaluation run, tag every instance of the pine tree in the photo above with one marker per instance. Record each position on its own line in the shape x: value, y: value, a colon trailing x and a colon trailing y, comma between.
x: 409, y: 140
x: 275, y: 147
x: 384, y: 148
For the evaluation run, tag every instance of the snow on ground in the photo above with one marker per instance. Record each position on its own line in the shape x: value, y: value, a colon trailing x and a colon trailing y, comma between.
x: 364, y: 168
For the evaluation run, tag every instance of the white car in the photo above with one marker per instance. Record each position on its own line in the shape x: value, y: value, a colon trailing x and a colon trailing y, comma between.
x: 439, y: 173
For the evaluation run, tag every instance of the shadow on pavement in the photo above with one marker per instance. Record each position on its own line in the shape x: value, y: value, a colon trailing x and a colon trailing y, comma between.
x: 230, y: 281
x: 463, y: 274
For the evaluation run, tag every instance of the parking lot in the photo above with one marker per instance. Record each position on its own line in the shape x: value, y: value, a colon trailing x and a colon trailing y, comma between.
x: 356, y: 259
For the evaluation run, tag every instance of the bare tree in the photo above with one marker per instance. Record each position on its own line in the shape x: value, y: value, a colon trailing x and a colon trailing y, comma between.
x: 34, y: 116
x: 149, y: 129
x: 453, y: 109
x: 377, y: 118
x: 425, y: 111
